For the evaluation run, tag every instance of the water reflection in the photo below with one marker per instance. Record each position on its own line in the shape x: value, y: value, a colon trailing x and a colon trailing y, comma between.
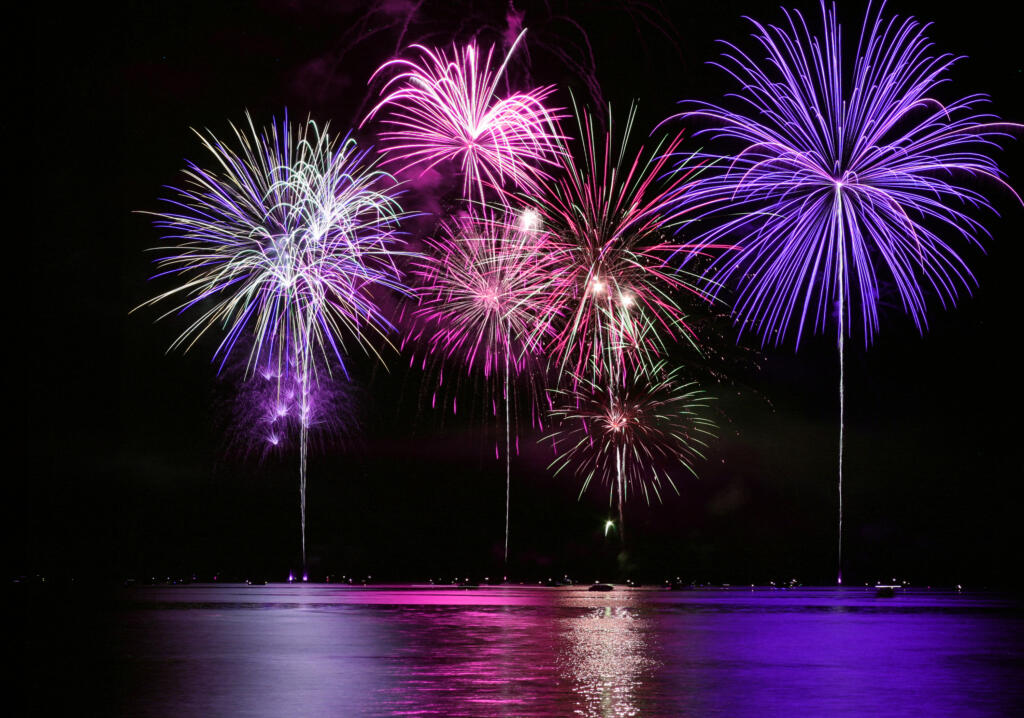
x: 327, y: 651
x: 606, y: 657
x: 547, y: 652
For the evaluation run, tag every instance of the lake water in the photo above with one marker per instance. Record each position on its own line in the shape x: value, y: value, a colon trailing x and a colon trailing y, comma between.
x: 322, y: 650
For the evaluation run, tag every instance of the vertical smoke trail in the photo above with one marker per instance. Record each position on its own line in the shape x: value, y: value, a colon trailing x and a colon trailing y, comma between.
x: 842, y: 319
x: 508, y: 458
x: 620, y: 465
x: 303, y: 442
x: 839, y: 560
x: 302, y: 488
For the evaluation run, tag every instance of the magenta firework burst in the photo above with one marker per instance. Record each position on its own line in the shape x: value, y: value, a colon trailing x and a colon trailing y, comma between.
x: 484, y: 288
x: 442, y: 107
x: 281, y: 244
x: 631, y: 434
x: 844, y: 171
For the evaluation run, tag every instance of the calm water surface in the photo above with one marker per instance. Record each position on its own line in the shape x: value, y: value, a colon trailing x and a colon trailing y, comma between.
x: 304, y: 650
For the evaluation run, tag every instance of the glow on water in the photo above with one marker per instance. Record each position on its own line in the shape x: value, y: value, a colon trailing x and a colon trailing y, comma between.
x: 319, y: 650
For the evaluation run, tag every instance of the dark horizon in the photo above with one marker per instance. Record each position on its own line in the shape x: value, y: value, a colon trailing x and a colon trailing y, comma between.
x: 129, y: 473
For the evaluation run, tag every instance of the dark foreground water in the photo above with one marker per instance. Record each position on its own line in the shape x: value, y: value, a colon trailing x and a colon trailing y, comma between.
x: 303, y: 650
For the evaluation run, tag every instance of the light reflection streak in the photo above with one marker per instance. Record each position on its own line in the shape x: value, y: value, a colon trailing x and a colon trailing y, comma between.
x: 606, y: 658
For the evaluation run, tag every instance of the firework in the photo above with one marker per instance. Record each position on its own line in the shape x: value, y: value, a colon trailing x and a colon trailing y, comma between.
x: 631, y: 434
x: 839, y: 182
x: 618, y: 294
x: 443, y: 107
x: 281, y: 245
x: 484, y: 287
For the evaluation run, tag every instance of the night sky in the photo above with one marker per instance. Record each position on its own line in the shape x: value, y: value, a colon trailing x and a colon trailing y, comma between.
x: 128, y: 472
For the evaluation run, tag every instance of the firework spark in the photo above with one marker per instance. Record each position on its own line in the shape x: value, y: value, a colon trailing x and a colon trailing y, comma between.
x: 446, y: 107
x: 839, y: 182
x: 483, y: 286
x: 282, y: 245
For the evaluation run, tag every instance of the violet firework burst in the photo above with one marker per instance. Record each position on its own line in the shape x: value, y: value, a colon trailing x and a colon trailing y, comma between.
x: 268, y: 408
x: 443, y: 107
x: 845, y: 172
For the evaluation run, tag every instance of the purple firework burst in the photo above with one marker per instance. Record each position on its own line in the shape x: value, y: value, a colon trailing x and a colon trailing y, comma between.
x: 845, y: 172
x: 269, y: 408
x: 841, y: 179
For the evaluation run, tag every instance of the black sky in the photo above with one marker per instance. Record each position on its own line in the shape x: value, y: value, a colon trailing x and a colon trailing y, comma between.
x: 126, y: 471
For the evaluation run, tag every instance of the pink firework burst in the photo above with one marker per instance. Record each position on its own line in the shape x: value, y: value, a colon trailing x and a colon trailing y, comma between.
x: 484, y: 286
x: 443, y: 107
x: 484, y: 295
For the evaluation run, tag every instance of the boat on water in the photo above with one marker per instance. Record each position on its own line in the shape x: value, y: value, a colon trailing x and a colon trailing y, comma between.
x: 602, y: 587
x: 885, y: 590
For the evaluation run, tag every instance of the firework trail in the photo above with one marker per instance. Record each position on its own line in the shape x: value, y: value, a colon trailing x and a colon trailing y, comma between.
x: 282, y: 244
x: 443, y: 107
x: 632, y: 433
x: 839, y: 180
x: 484, y: 288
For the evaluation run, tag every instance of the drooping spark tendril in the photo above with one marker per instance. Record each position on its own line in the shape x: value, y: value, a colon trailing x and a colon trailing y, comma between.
x: 842, y: 180
x: 281, y: 244
x: 483, y: 286
x: 442, y: 107
x: 265, y: 409
x: 631, y: 434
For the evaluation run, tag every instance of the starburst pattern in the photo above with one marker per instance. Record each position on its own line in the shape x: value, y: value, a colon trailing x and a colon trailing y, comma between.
x: 839, y: 181
x: 619, y: 297
x: 633, y: 434
x: 447, y: 107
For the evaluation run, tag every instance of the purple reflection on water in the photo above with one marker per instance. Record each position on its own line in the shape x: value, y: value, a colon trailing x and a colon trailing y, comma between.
x: 313, y: 650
